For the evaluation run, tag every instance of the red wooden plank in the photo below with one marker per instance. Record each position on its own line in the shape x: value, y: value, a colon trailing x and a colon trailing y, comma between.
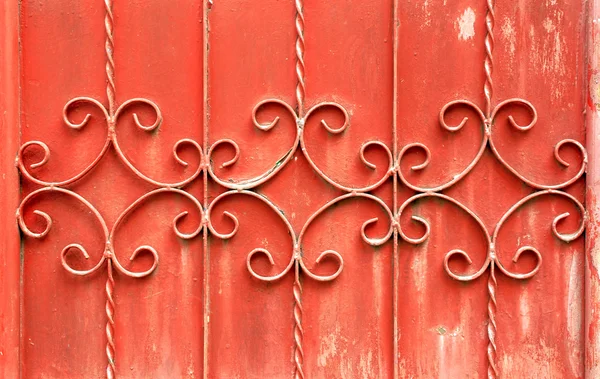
x: 592, y: 256
x: 493, y: 323
x: 251, y: 323
x: 348, y: 63
x: 158, y: 323
x: 10, y: 258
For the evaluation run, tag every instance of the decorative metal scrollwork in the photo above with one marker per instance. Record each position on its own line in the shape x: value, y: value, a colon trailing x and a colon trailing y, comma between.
x: 488, y: 119
x: 299, y: 141
x: 243, y: 187
x: 111, y: 116
x: 487, y: 140
x: 297, y: 261
x: 111, y: 139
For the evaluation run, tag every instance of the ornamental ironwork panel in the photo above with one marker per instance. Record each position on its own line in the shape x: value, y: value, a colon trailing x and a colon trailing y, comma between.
x: 333, y: 116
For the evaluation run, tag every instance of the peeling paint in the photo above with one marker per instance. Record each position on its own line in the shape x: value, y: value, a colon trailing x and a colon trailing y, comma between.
x: 366, y: 364
x: 466, y: 25
x: 549, y: 51
x: 427, y: 14
x: 524, y: 312
x: 536, y: 360
x: 549, y: 25
x: 510, y: 36
x: 402, y: 369
x: 574, y: 312
x: 418, y: 269
x: 328, y: 347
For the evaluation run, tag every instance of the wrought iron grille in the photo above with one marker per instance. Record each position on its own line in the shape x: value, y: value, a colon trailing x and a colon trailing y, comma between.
x: 297, y: 265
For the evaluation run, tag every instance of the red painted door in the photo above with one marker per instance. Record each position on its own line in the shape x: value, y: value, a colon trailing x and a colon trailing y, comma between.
x: 308, y: 189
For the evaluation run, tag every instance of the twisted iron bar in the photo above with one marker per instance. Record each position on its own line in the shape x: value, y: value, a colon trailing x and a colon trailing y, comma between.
x: 297, y: 287
x: 298, y: 331
x: 109, y: 47
x: 488, y: 88
x: 488, y: 119
x: 492, y: 307
x: 111, y: 96
x: 110, y: 325
x: 300, y: 73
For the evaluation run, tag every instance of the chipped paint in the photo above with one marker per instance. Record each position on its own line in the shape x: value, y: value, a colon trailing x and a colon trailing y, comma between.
x: 451, y: 348
x: 328, y: 347
x: 524, y: 312
x: 366, y: 364
x: 549, y: 25
x: 532, y: 360
x: 594, y: 85
x: 510, y: 37
x: 574, y: 312
x: 419, y: 269
x: 426, y: 14
x: 466, y: 25
x: 549, y: 52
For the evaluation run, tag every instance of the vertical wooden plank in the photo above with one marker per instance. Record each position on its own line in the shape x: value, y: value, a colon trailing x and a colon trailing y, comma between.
x: 348, y: 322
x: 539, y: 57
x: 442, y: 322
x: 250, y: 58
x: 592, y: 256
x: 158, y: 327
x: 161, y: 318
x: 9, y: 193
x: 507, y: 327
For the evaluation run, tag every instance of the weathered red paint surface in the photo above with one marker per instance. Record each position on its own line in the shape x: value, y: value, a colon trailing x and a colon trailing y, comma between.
x: 393, y: 311
x: 10, y: 261
x: 538, y: 56
x: 592, y: 298
x: 159, y: 323
x: 347, y: 322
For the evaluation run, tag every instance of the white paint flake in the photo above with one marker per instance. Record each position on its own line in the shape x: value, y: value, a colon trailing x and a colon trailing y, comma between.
x: 466, y: 25
x: 509, y: 35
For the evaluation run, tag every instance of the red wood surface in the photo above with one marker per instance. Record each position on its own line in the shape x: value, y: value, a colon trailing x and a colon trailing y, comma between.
x: 347, y: 323
x: 393, y: 311
x: 592, y: 297
x: 159, y: 323
x: 10, y: 259
x: 538, y: 56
